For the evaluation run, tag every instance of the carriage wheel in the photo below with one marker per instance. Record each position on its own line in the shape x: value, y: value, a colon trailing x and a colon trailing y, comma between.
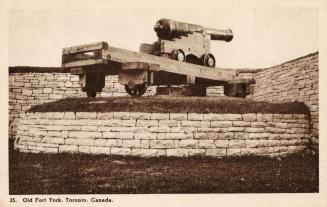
x: 179, y: 55
x: 136, y: 91
x: 209, y: 60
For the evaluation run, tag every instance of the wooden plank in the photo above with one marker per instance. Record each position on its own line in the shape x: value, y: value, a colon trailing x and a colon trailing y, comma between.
x: 155, y: 63
x: 140, y: 66
x: 81, y: 63
x: 241, y: 80
x: 85, y: 48
x: 169, y: 65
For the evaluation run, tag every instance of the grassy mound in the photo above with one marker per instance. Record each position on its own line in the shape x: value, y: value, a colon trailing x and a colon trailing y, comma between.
x: 165, y: 104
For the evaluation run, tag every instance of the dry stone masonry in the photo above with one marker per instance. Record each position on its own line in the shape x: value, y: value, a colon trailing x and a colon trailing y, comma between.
x: 162, y: 134
x: 28, y: 89
x: 296, y: 80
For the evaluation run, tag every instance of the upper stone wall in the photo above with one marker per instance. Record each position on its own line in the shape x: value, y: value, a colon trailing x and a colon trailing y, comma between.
x: 295, y: 80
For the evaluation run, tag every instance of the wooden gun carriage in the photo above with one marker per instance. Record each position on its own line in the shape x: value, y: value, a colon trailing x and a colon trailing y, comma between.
x: 137, y: 70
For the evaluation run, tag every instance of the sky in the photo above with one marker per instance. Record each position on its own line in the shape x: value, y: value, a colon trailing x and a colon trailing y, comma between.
x: 263, y: 37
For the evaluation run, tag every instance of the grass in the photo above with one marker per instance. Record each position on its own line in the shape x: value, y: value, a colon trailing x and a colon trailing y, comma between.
x: 91, y: 174
x: 165, y: 104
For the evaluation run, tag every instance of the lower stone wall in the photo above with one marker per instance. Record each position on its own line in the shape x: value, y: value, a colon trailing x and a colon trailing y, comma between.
x: 27, y: 89
x: 156, y: 134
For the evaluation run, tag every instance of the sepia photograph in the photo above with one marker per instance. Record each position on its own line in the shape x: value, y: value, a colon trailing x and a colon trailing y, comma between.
x: 161, y: 99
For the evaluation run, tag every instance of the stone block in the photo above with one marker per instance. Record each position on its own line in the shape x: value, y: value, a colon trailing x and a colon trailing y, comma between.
x: 201, y: 135
x: 145, y: 152
x: 258, y: 124
x: 196, y: 124
x: 114, y: 143
x: 194, y: 117
x: 227, y: 135
x: 55, y: 96
x: 100, y: 150
x: 100, y: 142
x: 47, y: 90
x: 27, y: 92
x: 249, y: 117
x: 121, y: 151
x: 68, y: 148
x: 221, y: 124
x: 54, y: 140
x: 196, y: 152
x: 178, y: 116
x: 241, y: 124
x: 161, y: 152
x: 128, y: 123
x: 160, y: 129
x: 267, y: 117
x: 145, y: 135
x: 287, y: 116
x: 281, y: 125
x: 145, y: 144
x: 175, y: 136
x: 124, y: 135
x: 86, y: 115
x: 177, y: 152
x: 254, y: 130
x: 213, y: 117
x: 207, y: 144
x: 273, y: 143
x: 232, y: 117
x: 216, y: 152
x: 235, y: 129
x: 161, y: 135
x: 69, y: 115
x: 85, y: 142
x: 54, y: 134
x: 55, y: 127
x: 147, y: 123
x: 234, y: 152
x: 89, y: 128
x: 236, y: 143
x: 183, y: 129
x: 159, y: 116
x: 121, y: 115
x: 140, y: 116
x: 105, y: 115
x: 260, y: 143
x: 111, y: 123
x: 258, y: 135
x: 240, y: 135
x: 168, y: 123
x: 85, y: 135
x: 50, y: 150
x: 222, y: 143
x: 188, y: 143
x: 131, y: 143
x: 162, y: 144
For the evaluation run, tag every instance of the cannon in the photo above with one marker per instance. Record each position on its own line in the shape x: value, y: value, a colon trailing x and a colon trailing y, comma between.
x: 185, y: 42
x: 156, y: 63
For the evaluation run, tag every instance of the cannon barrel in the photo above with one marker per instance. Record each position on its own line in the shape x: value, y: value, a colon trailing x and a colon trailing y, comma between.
x: 169, y: 29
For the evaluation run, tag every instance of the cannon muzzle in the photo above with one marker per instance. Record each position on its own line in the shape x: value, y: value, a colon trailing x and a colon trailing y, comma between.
x: 169, y: 29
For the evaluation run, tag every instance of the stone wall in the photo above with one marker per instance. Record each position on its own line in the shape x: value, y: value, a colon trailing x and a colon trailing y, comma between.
x: 296, y: 80
x: 31, y: 88
x: 160, y: 134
